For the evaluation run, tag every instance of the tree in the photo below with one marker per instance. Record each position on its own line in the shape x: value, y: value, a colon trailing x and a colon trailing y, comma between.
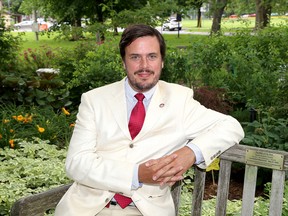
x: 218, y: 9
x: 263, y: 13
x: 195, y: 4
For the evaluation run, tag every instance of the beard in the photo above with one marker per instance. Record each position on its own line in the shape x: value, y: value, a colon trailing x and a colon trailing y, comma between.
x: 143, y: 85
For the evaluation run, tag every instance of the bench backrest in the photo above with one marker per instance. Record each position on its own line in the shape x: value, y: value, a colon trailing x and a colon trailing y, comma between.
x: 253, y: 157
x: 37, y: 205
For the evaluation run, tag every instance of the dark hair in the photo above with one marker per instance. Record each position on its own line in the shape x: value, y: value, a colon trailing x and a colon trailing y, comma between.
x: 133, y: 32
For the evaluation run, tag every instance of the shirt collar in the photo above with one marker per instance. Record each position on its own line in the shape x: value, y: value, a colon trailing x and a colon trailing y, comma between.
x: 130, y: 93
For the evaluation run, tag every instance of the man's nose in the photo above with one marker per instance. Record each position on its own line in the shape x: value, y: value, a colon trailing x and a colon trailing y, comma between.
x: 144, y: 62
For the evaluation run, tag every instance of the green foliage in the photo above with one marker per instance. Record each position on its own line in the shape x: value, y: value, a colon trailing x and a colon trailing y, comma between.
x: 267, y: 133
x: 24, y: 86
x: 90, y: 66
x: 25, y: 123
x: 25, y: 171
x: 9, y: 46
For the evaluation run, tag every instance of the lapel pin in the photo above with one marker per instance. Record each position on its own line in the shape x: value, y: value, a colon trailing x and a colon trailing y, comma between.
x: 161, y: 105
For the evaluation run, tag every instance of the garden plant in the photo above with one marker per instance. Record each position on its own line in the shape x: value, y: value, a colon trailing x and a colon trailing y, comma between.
x: 37, y: 112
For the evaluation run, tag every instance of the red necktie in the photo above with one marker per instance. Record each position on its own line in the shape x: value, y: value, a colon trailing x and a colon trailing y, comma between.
x: 135, y: 124
x: 137, y: 116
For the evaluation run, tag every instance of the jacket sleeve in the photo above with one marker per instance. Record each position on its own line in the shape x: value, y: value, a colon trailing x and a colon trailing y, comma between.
x: 211, y: 131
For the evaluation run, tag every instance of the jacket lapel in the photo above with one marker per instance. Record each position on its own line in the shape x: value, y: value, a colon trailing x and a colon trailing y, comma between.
x: 155, y: 111
x: 118, y: 107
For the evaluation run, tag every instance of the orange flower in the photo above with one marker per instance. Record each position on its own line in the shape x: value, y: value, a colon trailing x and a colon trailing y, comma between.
x: 27, y: 119
x: 40, y: 129
x: 65, y: 111
x: 11, y: 142
x: 72, y: 125
x: 20, y: 118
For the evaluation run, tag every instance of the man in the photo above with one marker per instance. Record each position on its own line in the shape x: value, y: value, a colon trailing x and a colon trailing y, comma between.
x: 108, y: 163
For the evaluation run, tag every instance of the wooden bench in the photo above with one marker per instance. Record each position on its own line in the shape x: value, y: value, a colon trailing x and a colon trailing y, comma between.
x: 36, y: 205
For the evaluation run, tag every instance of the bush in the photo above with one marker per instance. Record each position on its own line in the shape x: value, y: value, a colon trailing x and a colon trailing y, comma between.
x: 24, y: 87
x: 9, y: 46
x: 25, y: 171
x: 92, y: 66
x: 267, y: 133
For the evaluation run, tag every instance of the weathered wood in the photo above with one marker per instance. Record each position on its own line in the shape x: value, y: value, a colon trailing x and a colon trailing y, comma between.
x: 223, y: 187
x: 277, y: 191
x: 198, y: 192
x: 37, y: 205
x: 238, y: 152
x: 176, y: 194
x: 249, y: 190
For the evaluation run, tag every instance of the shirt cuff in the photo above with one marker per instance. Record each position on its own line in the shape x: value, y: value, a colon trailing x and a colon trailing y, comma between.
x: 198, y: 154
x: 135, y: 181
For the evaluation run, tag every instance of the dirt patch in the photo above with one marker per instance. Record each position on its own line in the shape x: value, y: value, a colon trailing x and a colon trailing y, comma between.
x: 235, y: 187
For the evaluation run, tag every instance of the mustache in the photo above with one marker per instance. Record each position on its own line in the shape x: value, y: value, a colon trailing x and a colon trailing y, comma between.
x: 144, y: 70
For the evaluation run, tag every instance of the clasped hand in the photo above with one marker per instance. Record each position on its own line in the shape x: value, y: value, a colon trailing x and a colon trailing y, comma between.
x: 168, y: 169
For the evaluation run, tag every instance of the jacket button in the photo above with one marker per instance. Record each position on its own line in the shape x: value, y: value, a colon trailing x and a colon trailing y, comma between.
x: 131, y: 145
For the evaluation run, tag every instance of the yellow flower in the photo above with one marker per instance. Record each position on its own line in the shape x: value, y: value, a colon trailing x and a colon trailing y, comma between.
x: 65, y: 111
x: 27, y: 119
x: 11, y: 142
x: 11, y: 131
x: 20, y: 118
x: 6, y: 121
x: 214, y: 165
x: 40, y: 129
x: 1, y: 136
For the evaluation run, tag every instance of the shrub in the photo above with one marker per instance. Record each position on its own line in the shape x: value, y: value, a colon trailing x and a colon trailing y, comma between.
x: 267, y: 132
x: 25, y: 171
x: 24, y: 87
x: 92, y: 67
x: 9, y: 46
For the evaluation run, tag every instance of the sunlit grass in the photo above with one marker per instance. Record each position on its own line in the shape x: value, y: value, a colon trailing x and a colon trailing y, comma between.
x: 172, y: 40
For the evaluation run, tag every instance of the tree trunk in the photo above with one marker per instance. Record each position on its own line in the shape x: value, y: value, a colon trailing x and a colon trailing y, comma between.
x: 35, y: 25
x: 217, y: 15
x: 199, y: 19
x: 263, y: 14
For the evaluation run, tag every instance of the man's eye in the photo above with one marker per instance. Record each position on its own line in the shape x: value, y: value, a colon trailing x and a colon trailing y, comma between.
x: 134, y: 57
x: 152, y: 57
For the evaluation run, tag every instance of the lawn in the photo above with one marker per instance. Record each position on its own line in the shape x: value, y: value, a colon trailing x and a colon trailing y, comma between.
x: 228, y: 25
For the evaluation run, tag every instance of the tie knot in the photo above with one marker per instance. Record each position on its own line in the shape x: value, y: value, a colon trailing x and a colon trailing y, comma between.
x: 139, y: 96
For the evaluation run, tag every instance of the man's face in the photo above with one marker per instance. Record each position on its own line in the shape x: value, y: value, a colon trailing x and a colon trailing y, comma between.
x: 143, y: 63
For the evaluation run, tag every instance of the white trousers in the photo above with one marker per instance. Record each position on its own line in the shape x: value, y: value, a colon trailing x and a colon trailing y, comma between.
x: 116, y: 210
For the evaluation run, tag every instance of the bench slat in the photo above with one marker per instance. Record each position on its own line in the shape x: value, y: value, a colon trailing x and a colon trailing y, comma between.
x: 223, y: 187
x: 237, y: 153
x: 277, y: 192
x: 198, y: 192
x: 176, y: 195
x: 38, y: 204
x: 249, y: 189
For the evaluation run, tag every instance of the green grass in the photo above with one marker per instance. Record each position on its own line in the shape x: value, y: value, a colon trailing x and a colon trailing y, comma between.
x: 30, y: 42
x: 231, y: 24
x: 172, y: 40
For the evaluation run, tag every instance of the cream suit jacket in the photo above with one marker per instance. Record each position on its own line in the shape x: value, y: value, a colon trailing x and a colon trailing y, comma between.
x: 102, y: 155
